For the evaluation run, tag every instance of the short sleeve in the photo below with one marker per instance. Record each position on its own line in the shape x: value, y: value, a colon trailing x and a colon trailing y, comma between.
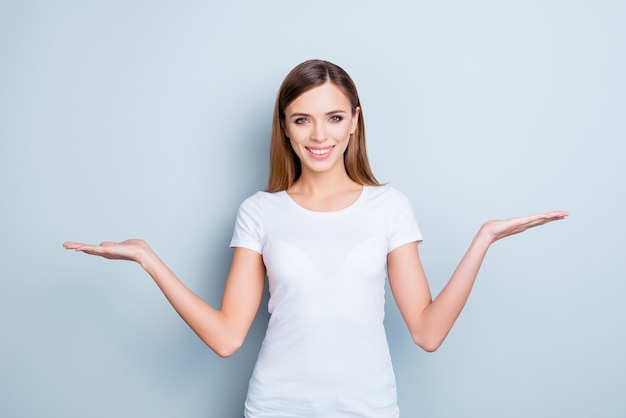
x: 404, y: 228
x: 248, y: 231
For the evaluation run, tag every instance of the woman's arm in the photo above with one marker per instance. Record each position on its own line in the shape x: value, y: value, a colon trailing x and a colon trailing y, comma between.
x: 429, y: 321
x: 223, y: 330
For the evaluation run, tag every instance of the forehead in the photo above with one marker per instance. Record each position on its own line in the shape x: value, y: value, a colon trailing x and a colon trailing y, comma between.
x: 321, y: 99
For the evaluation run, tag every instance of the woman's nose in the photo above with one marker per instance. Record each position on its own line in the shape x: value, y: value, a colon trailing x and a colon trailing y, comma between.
x: 318, y: 133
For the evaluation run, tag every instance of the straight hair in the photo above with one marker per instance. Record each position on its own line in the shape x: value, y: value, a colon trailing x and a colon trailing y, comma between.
x: 285, y: 167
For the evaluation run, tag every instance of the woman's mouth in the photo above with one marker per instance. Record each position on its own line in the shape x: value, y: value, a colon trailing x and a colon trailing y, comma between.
x: 319, y: 151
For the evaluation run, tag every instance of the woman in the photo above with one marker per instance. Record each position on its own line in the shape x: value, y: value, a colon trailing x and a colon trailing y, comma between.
x: 323, y: 233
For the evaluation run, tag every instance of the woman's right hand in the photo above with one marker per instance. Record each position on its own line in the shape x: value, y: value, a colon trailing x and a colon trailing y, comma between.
x: 223, y: 330
x: 132, y: 249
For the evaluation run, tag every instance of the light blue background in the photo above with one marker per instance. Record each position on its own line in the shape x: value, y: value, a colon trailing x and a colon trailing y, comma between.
x: 151, y: 119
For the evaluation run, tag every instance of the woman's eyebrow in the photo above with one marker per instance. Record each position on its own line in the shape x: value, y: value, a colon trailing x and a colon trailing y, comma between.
x: 300, y: 114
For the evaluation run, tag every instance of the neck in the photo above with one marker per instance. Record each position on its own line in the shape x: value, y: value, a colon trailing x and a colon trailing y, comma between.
x: 323, y: 184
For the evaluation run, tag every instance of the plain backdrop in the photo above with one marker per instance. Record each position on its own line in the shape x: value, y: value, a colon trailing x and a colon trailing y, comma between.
x: 151, y: 119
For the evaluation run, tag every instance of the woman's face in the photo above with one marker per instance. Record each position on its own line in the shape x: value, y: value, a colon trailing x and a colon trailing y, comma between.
x: 318, y: 124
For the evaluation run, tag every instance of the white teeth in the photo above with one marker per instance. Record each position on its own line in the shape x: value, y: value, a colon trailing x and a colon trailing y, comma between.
x: 320, y: 151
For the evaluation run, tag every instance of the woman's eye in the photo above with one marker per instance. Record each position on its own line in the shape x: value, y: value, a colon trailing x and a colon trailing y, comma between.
x: 336, y: 118
x: 300, y: 120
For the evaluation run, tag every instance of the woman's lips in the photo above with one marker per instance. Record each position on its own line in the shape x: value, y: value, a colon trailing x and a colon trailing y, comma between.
x: 319, y: 153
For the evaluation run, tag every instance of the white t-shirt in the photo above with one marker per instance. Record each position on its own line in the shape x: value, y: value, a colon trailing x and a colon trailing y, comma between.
x: 325, y: 352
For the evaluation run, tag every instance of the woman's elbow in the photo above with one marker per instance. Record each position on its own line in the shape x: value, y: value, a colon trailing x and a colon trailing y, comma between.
x: 227, y: 348
x: 429, y: 344
x: 224, y: 344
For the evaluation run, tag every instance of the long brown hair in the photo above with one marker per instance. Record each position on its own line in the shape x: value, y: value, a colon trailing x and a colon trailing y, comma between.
x: 285, y: 166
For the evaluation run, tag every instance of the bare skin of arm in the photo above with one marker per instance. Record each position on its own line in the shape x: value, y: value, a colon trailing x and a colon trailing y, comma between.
x: 429, y: 321
x: 224, y: 329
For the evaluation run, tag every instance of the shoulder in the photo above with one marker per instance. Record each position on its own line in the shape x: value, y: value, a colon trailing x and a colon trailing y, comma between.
x: 259, y: 197
x: 395, y: 212
x: 386, y: 193
x: 260, y: 200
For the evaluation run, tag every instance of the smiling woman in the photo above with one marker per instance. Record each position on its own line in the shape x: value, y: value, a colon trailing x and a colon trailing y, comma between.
x: 326, y: 235
x: 321, y: 137
x: 303, y: 80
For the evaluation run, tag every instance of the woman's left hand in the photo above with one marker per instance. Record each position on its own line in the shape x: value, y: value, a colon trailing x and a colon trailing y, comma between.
x: 498, y: 229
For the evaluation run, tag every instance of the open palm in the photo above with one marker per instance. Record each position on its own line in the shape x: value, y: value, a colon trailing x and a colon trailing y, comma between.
x: 131, y: 249
x: 498, y: 229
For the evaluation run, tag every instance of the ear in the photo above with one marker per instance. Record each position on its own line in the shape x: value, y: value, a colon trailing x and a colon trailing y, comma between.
x: 355, y: 119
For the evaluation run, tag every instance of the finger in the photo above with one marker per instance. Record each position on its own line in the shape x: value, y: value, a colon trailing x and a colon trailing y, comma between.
x: 73, y: 245
x: 559, y: 214
x: 90, y: 249
x: 556, y: 214
x: 542, y: 219
x: 76, y: 246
